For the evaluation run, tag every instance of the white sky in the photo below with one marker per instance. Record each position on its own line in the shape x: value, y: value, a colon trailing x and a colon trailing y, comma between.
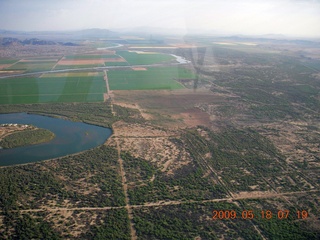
x: 288, y: 17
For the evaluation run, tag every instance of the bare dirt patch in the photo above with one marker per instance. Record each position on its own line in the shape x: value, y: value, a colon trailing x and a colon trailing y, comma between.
x: 254, y: 194
x: 139, y: 69
x: 173, y: 109
x: 195, y: 117
x: 167, y: 155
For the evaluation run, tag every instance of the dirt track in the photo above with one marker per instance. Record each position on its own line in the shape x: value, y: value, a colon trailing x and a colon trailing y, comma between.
x: 169, y: 203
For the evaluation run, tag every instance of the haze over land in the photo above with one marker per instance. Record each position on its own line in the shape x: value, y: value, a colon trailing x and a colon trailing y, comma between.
x: 298, y: 18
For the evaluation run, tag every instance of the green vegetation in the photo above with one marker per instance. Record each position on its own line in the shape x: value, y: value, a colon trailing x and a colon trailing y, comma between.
x: 27, y: 137
x: 153, y: 78
x: 76, y: 66
x: 256, y: 88
x: 245, y: 160
x: 23, y: 226
x: 116, y: 63
x: 134, y: 58
x: 189, y: 221
x: 270, y: 86
x: 290, y: 227
x: 7, y: 61
x: 32, y: 66
x: 93, y: 113
x: 51, y: 89
x: 187, y: 183
x: 115, y: 226
x: 89, y: 179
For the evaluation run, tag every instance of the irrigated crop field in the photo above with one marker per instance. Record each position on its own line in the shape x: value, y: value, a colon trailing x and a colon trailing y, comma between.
x: 32, y: 66
x: 151, y: 78
x: 143, y: 58
x: 57, y: 86
x: 79, y: 87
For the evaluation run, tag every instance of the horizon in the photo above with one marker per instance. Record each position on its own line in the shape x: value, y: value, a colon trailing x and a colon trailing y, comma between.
x: 291, y: 18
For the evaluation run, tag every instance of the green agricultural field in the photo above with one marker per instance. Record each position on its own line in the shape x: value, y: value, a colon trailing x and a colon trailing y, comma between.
x: 72, y: 74
x: 134, y: 58
x: 96, y: 56
x: 153, y: 78
x: 61, y: 67
x: 116, y: 63
x: 7, y: 61
x: 32, y: 66
x: 43, y: 59
x: 52, y: 89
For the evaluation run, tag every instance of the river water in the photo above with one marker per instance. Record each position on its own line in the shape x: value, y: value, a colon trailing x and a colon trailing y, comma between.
x: 70, y: 137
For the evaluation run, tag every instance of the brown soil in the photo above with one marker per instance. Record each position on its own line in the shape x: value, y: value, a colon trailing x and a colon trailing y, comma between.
x: 139, y: 69
x: 172, y: 109
x: 194, y: 117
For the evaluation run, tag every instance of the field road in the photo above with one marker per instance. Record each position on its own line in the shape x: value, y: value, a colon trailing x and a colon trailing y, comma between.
x: 129, y: 207
x: 170, y: 203
x: 91, y: 69
x: 125, y: 190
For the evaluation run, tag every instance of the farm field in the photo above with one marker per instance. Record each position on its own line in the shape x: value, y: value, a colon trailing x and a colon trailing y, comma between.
x: 151, y: 78
x: 52, y: 88
x: 32, y: 66
x: 142, y: 58
x: 90, y: 61
x: 91, y: 56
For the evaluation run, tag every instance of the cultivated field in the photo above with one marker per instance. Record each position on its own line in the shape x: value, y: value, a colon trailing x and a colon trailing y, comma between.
x: 151, y: 78
x: 53, y: 88
x: 141, y: 58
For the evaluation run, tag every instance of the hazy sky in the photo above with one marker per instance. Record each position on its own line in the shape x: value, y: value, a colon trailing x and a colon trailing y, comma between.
x: 289, y: 17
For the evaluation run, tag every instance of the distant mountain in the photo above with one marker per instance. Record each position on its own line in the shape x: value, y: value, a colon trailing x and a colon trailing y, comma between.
x: 272, y: 38
x: 9, y: 41
x: 93, y: 33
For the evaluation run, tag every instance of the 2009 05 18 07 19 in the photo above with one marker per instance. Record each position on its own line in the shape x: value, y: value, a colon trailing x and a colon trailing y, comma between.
x: 263, y: 214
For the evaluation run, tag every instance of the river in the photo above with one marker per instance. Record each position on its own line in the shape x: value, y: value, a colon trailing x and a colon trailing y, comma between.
x: 70, y: 137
